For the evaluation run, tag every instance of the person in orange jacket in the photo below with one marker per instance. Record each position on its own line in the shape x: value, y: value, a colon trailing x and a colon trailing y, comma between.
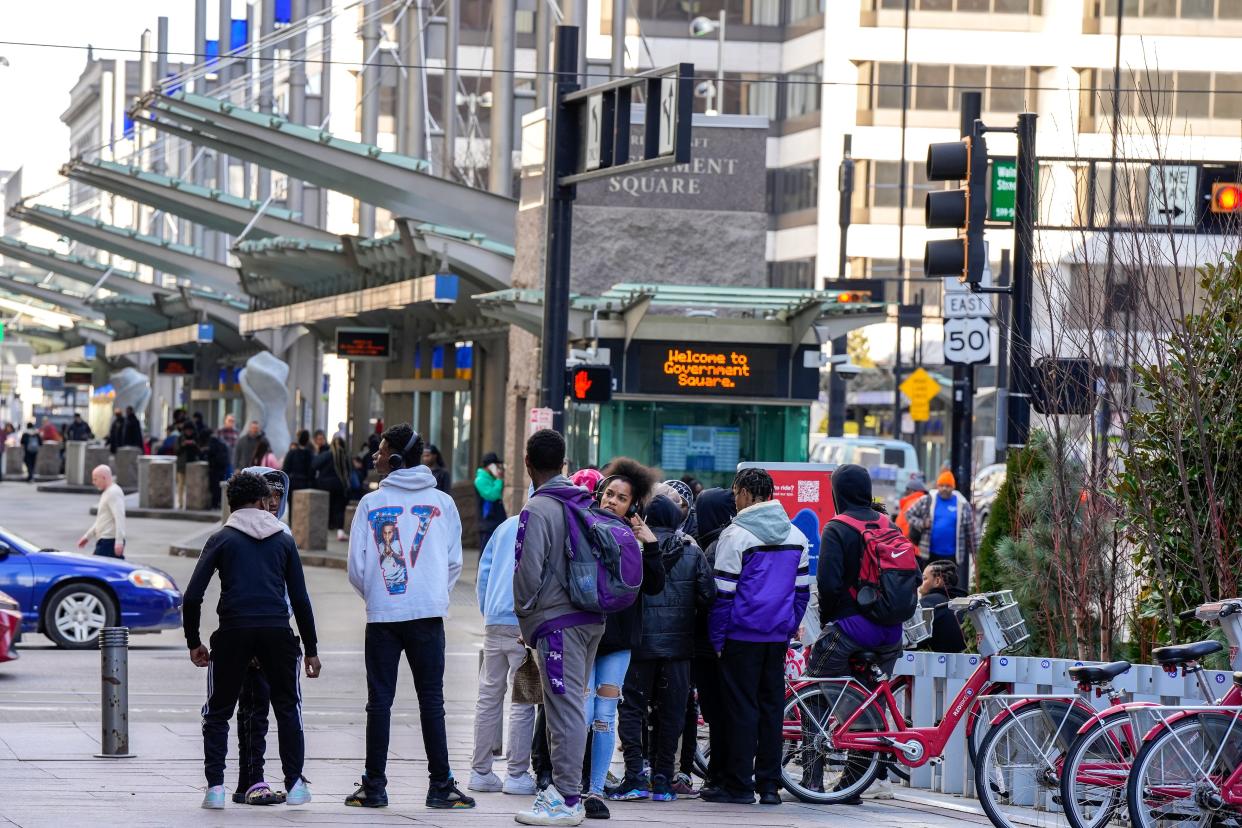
x: 915, y: 490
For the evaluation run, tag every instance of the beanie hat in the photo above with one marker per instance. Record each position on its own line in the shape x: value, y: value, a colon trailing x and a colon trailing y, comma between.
x: 946, y: 478
x: 587, y: 479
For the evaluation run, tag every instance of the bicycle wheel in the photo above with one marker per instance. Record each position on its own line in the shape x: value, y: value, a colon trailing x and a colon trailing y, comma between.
x: 702, y: 750
x: 1095, y: 770
x: 1178, y: 774
x: 978, y: 720
x: 811, y: 768
x: 1017, y: 773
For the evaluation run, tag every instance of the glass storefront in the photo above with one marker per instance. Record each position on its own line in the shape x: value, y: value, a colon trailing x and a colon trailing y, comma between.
x: 703, y: 439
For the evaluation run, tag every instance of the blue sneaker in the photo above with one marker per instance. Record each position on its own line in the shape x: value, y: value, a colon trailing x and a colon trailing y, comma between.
x: 629, y: 790
x: 550, y: 809
x: 214, y: 798
x: 661, y: 791
x: 299, y: 794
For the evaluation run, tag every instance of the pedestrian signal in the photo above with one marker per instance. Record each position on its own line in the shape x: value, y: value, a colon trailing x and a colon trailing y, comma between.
x: 590, y: 383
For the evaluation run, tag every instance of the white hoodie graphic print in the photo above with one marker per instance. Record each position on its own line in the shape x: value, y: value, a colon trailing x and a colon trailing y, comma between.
x: 405, y: 548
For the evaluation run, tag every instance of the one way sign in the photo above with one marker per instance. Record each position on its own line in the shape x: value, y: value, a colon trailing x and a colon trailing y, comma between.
x: 1171, y: 193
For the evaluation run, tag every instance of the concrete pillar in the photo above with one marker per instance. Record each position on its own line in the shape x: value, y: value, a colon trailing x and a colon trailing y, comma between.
x: 225, y: 511
x: 76, y: 472
x: 97, y: 456
x: 267, y: 74
x: 448, y: 120
x: 370, y: 99
x: 126, y: 468
x: 500, y: 173
x: 350, y: 509
x: 297, y: 100
x: 47, y: 463
x: 197, y: 486
x: 543, y: 53
x: 411, y: 105
x: 577, y: 16
x: 14, y: 461
x: 310, y: 519
x: 157, y: 480
x: 619, y: 14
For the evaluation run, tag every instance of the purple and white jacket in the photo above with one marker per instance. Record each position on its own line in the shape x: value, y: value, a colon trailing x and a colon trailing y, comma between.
x: 763, y: 580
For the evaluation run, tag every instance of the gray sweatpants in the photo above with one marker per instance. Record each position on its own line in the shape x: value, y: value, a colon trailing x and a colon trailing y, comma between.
x: 565, y: 658
x: 502, y: 655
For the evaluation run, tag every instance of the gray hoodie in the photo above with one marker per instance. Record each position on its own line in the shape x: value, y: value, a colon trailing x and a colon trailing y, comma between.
x: 541, y: 578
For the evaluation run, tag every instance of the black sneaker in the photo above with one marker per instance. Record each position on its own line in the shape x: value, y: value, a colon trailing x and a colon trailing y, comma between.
x: 447, y: 797
x: 769, y: 798
x: 723, y: 797
x: 595, y: 807
x: 661, y: 791
x: 366, y: 797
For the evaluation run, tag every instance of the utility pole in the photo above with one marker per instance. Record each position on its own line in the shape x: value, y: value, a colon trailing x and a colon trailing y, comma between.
x: 500, y: 172
x: 1025, y: 204
x: 448, y: 120
x: 840, y: 344
x: 901, y: 215
x: 561, y: 158
x: 962, y: 431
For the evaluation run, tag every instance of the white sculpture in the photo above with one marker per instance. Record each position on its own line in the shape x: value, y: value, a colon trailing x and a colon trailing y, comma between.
x: 264, y: 382
x: 132, y: 388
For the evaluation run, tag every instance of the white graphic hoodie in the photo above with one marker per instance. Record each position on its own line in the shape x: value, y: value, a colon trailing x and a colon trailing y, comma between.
x: 405, y: 548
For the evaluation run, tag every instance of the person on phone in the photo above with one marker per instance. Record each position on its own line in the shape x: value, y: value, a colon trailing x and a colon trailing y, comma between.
x: 260, y: 578
x: 489, y: 485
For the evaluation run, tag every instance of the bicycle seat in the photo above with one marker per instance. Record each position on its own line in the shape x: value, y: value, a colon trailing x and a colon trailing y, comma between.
x: 1182, y: 653
x: 1094, y: 674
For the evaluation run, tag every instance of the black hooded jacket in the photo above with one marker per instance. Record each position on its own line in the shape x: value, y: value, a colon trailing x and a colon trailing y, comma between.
x: 840, y: 547
x: 715, y: 509
x: 689, y: 585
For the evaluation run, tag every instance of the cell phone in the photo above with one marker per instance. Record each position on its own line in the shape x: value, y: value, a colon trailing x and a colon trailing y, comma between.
x: 494, y: 468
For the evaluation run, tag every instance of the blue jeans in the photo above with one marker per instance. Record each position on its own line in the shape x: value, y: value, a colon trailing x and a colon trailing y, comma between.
x: 601, y: 713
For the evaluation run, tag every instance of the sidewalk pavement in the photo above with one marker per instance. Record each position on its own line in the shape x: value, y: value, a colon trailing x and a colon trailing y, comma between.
x: 51, y: 780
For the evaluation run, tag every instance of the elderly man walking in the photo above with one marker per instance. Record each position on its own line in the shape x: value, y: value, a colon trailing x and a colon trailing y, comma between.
x: 108, y: 531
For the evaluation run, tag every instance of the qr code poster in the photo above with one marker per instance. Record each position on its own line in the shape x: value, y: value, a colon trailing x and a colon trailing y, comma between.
x: 806, y: 493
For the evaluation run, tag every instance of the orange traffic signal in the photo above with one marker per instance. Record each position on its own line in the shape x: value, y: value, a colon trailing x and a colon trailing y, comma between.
x: 590, y: 383
x: 1226, y: 197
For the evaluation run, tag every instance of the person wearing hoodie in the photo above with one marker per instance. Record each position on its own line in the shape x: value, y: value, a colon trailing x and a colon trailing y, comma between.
x: 658, y: 678
x: 404, y: 560
x: 846, y: 629
x: 763, y: 586
x: 938, y: 587
x: 260, y: 579
x: 503, y: 653
x: 564, y: 637
x: 256, y: 694
x: 715, y: 509
x: 489, y: 485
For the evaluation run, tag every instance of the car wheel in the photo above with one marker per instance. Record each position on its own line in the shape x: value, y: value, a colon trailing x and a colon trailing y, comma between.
x: 76, y: 614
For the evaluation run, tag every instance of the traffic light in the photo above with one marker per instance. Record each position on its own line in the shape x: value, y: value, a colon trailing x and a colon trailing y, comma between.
x: 1226, y: 197
x: 590, y: 383
x: 1063, y: 386
x: 964, y: 209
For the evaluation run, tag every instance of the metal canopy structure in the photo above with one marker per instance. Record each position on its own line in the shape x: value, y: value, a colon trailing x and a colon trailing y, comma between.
x: 131, y: 317
x: 55, y: 299
x: 281, y: 270
x: 177, y: 259
x: 78, y: 268
x: 398, y: 183
x: 202, y: 205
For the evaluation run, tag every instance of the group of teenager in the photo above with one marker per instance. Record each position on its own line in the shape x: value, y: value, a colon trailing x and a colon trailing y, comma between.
x: 725, y: 587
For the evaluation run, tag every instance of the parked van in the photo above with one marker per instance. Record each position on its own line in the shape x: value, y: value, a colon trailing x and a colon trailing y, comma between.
x: 870, y: 453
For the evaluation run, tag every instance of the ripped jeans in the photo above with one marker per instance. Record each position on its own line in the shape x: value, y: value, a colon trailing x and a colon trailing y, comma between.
x: 601, y: 714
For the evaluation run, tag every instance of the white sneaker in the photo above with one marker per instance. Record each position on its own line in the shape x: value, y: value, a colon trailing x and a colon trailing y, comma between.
x: 484, y: 783
x: 549, y: 808
x: 341, y: 536
x: 214, y: 798
x: 520, y: 785
x: 299, y: 794
x: 880, y: 790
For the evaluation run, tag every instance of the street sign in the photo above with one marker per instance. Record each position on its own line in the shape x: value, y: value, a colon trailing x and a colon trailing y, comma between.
x: 206, y: 332
x: 921, y: 389
x: 540, y: 418
x: 594, y: 138
x: 962, y: 304
x: 1003, y: 190
x: 967, y: 341
x: 668, y: 116
x: 1171, y: 194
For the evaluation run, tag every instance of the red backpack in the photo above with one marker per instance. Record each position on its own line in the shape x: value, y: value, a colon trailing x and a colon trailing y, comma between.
x: 888, y: 574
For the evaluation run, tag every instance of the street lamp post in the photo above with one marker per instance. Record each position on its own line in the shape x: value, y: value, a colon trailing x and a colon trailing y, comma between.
x: 701, y: 27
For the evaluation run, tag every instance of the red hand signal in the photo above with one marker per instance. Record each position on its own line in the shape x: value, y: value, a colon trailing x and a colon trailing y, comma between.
x: 582, y: 384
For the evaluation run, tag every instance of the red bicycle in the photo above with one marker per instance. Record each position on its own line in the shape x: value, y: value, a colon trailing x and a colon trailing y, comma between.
x: 839, y: 731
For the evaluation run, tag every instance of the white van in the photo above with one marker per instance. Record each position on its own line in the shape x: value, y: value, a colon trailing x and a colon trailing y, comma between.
x: 870, y: 453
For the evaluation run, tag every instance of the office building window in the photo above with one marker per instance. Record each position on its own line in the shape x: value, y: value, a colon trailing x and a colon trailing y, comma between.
x: 795, y: 188
x: 980, y: 6
x: 802, y: 9
x: 742, y: 12
x: 1184, y: 9
x: 935, y: 87
x: 880, y: 182
x: 1163, y: 94
x: 747, y: 93
x: 792, y: 273
x: 802, y: 90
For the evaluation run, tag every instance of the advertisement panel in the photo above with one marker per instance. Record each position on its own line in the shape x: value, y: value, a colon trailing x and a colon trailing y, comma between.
x: 805, y: 490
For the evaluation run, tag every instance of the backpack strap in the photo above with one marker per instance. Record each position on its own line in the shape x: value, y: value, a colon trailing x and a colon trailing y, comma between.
x: 860, y: 526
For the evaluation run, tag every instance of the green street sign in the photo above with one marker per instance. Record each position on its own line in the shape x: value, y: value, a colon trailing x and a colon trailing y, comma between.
x: 1004, y: 186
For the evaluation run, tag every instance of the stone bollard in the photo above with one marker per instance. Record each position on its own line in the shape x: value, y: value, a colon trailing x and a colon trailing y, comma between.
x: 350, y: 509
x: 76, y: 472
x: 14, y: 461
x: 47, y: 463
x: 96, y: 456
x: 127, y: 467
x: 225, y: 511
x: 310, y: 519
x: 114, y: 713
x: 197, y: 486
x: 157, y: 480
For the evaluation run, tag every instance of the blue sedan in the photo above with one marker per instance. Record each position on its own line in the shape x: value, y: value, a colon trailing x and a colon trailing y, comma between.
x: 70, y: 598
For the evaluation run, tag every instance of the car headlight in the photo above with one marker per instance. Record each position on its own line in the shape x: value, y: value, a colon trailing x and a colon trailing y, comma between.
x: 148, y: 579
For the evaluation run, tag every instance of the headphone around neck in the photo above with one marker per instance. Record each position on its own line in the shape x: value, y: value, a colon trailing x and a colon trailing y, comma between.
x: 397, y: 461
x: 602, y: 485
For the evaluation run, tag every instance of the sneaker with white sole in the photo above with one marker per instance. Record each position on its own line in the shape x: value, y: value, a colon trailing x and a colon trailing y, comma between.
x: 485, y: 782
x: 521, y: 785
x: 299, y: 794
x: 549, y: 808
x: 880, y: 790
x: 214, y: 798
